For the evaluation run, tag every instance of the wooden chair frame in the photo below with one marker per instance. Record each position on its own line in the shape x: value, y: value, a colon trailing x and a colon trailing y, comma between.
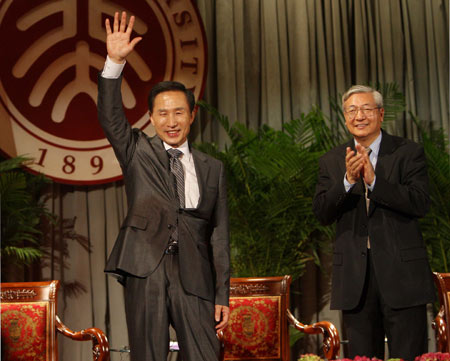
x: 441, y: 321
x: 46, y: 292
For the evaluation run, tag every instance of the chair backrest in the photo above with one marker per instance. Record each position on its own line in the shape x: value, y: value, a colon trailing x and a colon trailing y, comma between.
x: 441, y: 322
x: 28, y: 312
x: 258, y: 326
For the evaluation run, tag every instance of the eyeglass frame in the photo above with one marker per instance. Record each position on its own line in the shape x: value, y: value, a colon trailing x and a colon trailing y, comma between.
x: 358, y: 109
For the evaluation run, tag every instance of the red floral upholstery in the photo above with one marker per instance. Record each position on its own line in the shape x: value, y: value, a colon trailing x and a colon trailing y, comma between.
x: 259, y: 321
x: 254, y: 328
x: 24, y: 328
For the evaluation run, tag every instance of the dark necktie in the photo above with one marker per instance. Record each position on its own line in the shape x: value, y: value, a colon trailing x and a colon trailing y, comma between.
x: 368, y: 151
x: 366, y: 194
x: 177, y: 170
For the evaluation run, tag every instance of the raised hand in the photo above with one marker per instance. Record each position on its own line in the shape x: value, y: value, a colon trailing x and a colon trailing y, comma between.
x: 118, y: 42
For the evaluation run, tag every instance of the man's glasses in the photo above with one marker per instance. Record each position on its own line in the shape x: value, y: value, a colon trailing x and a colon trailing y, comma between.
x: 367, y: 111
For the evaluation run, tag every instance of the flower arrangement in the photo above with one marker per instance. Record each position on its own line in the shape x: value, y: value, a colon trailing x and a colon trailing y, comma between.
x: 432, y: 356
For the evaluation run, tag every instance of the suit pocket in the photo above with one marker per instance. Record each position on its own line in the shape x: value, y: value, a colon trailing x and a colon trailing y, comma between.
x: 413, y: 254
x: 337, y: 259
x: 135, y: 221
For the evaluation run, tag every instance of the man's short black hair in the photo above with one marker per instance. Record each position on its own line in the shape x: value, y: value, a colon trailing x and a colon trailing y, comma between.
x: 165, y: 86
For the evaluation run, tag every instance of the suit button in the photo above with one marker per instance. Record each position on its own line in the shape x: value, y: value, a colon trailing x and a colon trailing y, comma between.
x: 169, y: 226
x: 363, y: 254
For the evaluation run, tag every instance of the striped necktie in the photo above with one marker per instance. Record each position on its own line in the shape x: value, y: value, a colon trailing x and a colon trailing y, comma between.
x: 177, y: 170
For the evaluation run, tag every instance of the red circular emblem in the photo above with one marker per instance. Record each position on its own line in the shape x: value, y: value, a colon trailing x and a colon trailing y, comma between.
x: 51, y: 55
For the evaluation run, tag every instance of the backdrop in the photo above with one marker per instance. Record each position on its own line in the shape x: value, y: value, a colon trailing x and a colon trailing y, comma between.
x: 269, y: 61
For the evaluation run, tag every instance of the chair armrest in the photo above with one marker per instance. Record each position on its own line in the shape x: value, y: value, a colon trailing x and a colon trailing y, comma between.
x: 440, y: 327
x: 100, y: 344
x: 331, y: 342
x: 221, y: 338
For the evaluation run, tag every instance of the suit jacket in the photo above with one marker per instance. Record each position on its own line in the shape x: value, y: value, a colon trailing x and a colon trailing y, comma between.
x: 399, y: 198
x: 153, y: 207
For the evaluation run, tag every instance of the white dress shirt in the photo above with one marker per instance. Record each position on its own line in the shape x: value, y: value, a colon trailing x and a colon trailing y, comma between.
x: 112, y: 70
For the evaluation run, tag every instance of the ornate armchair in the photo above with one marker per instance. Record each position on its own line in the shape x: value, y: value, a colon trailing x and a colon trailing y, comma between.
x: 29, y: 324
x: 441, y: 322
x: 259, y: 322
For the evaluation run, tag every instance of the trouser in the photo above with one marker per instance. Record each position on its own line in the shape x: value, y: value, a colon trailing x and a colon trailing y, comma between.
x: 154, y: 302
x: 368, y: 324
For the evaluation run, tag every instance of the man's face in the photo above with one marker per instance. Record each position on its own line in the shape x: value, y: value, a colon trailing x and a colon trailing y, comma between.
x: 172, y: 117
x: 365, y: 123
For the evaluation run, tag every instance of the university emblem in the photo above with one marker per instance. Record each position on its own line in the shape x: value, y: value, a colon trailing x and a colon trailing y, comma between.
x: 52, y: 52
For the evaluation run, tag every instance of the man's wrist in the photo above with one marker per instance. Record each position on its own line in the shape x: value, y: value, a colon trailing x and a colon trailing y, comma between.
x: 347, y: 184
x: 112, y: 70
x: 116, y: 60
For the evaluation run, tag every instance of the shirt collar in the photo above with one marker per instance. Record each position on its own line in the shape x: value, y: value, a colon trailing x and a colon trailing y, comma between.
x: 375, y: 146
x: 183, y: 148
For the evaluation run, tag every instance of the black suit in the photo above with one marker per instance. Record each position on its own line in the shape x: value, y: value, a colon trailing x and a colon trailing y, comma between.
x: 398, y: 255
x: 153, y: 211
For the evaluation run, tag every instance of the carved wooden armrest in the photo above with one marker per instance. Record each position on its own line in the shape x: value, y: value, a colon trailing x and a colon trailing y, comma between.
x: 331, y: 342
x: 440, y: 327
x: 100, y: 344
x: 220, y: 336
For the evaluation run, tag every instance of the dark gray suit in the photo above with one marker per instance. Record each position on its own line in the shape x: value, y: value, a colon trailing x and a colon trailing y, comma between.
x: 153, y: 211
x: 398, y: 253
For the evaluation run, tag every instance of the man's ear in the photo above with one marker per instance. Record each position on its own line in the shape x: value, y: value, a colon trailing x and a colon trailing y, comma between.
x: 194, y: 113
x: 151, y: 117
x: 382, y: 114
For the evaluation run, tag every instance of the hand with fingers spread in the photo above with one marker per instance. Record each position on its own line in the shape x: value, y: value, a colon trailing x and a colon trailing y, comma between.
x: 118, y: 42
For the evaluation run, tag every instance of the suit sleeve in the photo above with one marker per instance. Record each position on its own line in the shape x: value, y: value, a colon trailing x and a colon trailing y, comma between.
x: 330, y: 196
x: 409, y: 195
x: 220, y: 244
x: 113, y: 121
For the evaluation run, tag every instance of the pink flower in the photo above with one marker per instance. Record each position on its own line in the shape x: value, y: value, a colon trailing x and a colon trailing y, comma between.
x: 434, y: 356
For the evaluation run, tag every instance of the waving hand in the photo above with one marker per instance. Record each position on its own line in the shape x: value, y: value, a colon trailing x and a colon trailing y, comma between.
x: 118, y: 42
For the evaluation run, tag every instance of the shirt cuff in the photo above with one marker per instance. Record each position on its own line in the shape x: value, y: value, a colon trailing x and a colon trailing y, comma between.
x: 347, y: 185
x: 370, y: 187
x: 112, y: 70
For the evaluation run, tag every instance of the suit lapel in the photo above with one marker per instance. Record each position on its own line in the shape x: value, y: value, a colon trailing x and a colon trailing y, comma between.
x: 160, y: 152
x: 385, y: 161
x: 202, y: 171
x: 162, y: 159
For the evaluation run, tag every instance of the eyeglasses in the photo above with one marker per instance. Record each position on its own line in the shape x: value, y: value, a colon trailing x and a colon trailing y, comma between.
x: 352, y: 112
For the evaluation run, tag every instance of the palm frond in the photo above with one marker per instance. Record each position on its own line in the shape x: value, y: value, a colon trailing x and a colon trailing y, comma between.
x: 436, y: 224
x: 271, y: 175
x: 21, y: 254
